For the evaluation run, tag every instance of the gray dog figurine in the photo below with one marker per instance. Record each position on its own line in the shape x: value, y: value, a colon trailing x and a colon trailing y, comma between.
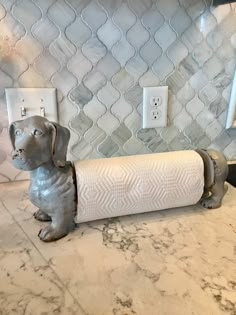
x: 40, y: 146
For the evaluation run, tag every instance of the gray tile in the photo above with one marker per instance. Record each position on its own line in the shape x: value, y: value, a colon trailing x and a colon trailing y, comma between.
x: 177, y: 52
x: 149, y: 79
x: 188, y: 67
x: 180, y: 143
x: 79, y: 65
x: 133, y: 146
x: 64, y: 81
x: 229, y: 151
x: 43, y: 27
x: 108, y: 66
x: 208, y: 94
x: 136, y: 67
x: 195, y: 106
x: 80, y: 95
x: 185, y: 94
x: 218, y: 106
x: 27, y: 13
x: 3, y: 12
x: 194, y: 132
x: 165, y: 36
x: 213, y: 129
x: 225, y: 51
x: 81, y: 123
x: 150, y: 52
x: 196, y: 9
x: 109, y: 34
x: 123, y: 51
x: 90, y: 12
x: 134, y: 96
x: 11, y: 29
x: 213, y: 67
x: 78, y: 5
x: 61, y: 14
x: 174, y: 107
x: 78, y: 32
x: 182, y: 120
x: 204, y: 118
x: 15, y: 69
x: 222, y: 141
x: 222, y: 80
x: 146, y: 135
x: 93, y: 49
x: 94, y: 136
x: 5, y: 81
x: 94, y: 81
x: 180, y: 21
x: 62, y: 49
x: 108, y: 95
x: 215, y: 38
x: 110, y: 6
x: 108, y: 147
x: 46, y: 65
x: 29, y: 48
x: 206, y: 22
x: 198, y: 80
x: 81, y: 150
x: 121, y: 109
x: 138, y: 35
x: 191, y: 37
x: 94, y: 109
x: 162, y: 67
x: 108, y: 122
x: 175, y: 81
x: 139, y: 6
x: 169, y: 133
x: 122, y: 80
x: 121, y: 135
x: 124, y: 17
x: 201, y: 53
x: 153, y: 20
x: 166, y: 9
x: 227, y: 26
x: 204, y: 143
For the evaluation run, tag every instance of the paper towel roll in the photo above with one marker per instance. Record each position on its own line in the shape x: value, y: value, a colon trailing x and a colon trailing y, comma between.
x: 133, y: 184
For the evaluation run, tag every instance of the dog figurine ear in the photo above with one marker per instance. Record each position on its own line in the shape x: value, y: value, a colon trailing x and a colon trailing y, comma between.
x: 60, y: 140
x: 11, y: 132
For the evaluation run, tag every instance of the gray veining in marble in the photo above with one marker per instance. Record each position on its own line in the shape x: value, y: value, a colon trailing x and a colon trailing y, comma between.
x: 179, y: 261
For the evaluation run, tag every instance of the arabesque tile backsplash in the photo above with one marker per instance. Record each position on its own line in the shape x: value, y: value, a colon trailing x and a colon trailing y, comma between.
x: 99, y: 55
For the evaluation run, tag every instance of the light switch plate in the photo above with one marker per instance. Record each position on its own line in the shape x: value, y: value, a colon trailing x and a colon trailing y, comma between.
x: 26, y: 102
x: 155, y: 100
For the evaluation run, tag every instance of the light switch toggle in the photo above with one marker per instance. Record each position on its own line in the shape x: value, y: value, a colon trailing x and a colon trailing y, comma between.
x: 42, y: 111
x: 23, y: 111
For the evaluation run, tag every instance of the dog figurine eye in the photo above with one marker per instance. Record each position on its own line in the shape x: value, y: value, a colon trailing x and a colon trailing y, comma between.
x: 37, y: 132
x: 18, y: 132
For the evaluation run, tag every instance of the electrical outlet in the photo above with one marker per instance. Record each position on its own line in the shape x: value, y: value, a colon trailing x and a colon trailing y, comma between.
x: 155, y: 100
x: 156, y: 114
x: 25, y: 102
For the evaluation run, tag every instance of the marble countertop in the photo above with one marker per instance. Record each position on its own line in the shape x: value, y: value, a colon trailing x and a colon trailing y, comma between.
x: 173, y: 262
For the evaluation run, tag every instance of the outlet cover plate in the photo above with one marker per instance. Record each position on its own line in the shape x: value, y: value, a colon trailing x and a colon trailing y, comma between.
x: 150, y: 94
x: 32, y: 100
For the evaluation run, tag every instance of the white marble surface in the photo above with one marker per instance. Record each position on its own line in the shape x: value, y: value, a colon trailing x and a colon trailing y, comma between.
x: 173, y: 262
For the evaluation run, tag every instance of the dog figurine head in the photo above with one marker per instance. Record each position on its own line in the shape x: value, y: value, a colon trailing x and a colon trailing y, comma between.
x: 37, y: 141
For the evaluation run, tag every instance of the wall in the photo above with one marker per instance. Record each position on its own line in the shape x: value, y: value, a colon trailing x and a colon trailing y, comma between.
x: 99, y: 55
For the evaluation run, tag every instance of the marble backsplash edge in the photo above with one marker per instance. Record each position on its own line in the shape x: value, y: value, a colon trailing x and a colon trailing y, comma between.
x: 99, y: 66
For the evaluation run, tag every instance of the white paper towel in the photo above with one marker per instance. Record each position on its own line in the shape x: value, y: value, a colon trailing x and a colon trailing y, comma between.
x: 133, y: 184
